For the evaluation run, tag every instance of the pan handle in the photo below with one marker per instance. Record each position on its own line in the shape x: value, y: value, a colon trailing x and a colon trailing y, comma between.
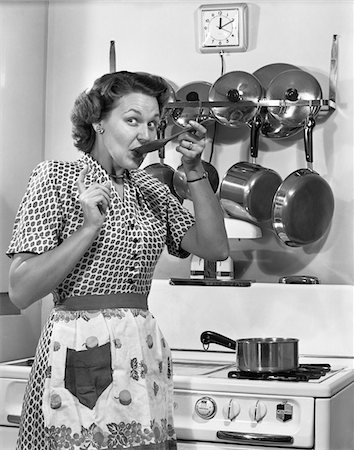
x: 254, y: 140
x: 161, y: 135
x: 210, y: 337
x: 308, y: 142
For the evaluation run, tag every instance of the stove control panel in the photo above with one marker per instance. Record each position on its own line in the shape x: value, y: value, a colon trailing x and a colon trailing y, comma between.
x: 205, y: 415
x: 206, y: 408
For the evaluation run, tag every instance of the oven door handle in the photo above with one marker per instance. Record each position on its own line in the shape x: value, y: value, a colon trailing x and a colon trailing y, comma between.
x: 255, y: 438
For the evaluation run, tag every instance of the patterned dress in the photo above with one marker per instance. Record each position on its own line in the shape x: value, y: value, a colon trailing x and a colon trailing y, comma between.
x: 101, y: 379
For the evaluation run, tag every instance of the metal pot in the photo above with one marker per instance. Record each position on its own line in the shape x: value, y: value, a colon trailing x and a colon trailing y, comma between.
x: 234, y: 87
x: 258, y: 355
x: 250, y: 185
x: 198, y: 91
x: 180, y: 180
x: 303, y: 205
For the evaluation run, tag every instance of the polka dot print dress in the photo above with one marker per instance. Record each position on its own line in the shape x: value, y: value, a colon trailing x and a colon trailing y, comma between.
x: 101, y: 379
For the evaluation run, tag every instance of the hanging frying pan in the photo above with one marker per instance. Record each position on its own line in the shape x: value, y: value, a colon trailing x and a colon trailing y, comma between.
x: 198, y: 91
x: 234, y: 87
x: 250, y: 185
x: 303, y: 205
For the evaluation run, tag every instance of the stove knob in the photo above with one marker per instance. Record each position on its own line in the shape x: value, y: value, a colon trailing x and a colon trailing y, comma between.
x: 258, y: 411
x: 205, y: 408
x: 233, y: 409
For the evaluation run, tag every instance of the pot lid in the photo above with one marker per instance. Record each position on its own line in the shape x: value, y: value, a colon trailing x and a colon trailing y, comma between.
x: 195, y: 91
x: 266, y: 73
x: 293, y: 85
x: 233, y: 87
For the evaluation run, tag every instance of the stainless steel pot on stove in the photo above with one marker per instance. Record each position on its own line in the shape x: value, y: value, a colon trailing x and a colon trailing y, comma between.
x: 258, y: 355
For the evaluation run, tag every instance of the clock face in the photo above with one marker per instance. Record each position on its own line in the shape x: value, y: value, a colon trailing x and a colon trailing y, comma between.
x: 223, y: 27
x: 220, y: 28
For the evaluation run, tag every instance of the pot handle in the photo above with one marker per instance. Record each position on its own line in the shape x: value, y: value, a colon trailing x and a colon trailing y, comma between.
x: 208, y: 337
x: 308, y: 143
x: 161, y: 135
x: 254, y: 140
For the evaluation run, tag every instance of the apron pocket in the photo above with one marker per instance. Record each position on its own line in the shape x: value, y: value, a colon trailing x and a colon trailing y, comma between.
x: 88, y: 373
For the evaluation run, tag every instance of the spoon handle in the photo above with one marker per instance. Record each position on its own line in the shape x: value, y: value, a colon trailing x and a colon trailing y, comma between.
x: 158, y: 143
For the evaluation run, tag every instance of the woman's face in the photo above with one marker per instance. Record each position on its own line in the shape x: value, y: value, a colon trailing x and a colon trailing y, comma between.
x: 132, y: 123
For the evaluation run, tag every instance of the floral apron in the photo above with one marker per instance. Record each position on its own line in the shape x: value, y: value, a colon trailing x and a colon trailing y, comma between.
x: 109, y: 383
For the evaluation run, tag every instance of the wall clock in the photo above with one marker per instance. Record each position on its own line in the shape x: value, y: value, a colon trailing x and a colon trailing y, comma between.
x: 223, y: 27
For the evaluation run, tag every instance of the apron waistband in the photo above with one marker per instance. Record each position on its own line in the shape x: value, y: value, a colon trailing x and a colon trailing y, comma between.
x: 94, y: 302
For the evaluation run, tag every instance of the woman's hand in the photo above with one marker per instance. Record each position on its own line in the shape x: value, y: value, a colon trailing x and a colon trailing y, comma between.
x: 95, y: 200
x: 191, y: 146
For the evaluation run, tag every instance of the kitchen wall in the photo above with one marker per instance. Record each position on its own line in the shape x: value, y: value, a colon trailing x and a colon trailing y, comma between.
x: 160, y: 37
x: 52, y: 50
x: 23, y: 66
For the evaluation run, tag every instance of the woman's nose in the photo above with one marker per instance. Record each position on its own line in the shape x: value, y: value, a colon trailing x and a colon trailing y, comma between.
x: 145, y: 134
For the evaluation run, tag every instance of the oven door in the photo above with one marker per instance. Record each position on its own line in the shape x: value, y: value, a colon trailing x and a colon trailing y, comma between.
x: 196, y: 445
x: 11, y: 397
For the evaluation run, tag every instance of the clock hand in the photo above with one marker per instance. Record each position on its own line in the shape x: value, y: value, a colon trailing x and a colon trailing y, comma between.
x: 227, y: 23
x: 220, y: 23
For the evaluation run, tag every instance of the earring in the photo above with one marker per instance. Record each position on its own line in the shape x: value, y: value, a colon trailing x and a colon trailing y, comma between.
x: 99, y: 129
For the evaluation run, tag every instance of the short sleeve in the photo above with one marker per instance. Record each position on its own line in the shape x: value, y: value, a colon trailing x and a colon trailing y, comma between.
x: 38, y: 220
x: 179, y: 221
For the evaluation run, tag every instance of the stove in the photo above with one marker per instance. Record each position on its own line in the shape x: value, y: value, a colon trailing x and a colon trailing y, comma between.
x: 217, y: 406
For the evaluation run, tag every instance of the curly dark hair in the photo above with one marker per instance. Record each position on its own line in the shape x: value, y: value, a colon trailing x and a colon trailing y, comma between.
x: 93, y: 105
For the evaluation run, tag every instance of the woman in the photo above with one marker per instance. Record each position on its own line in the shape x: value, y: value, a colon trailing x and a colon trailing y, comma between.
x: 90, y: 232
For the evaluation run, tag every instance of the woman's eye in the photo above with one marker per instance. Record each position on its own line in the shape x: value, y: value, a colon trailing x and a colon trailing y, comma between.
x: 152, y: 125
x: 132, y: 120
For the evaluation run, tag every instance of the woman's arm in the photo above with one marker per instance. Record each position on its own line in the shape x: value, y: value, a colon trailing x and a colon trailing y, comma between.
x: 33, y: 276
x: 207, y: 238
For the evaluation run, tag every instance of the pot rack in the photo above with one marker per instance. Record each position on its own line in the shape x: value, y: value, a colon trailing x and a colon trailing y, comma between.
x: 325, y: 105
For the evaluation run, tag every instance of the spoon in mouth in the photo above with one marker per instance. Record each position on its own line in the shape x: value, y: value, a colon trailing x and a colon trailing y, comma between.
x: 158, y: 143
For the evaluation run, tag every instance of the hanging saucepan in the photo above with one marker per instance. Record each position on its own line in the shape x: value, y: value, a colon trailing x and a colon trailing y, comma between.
x: 197, y: 91
x: 160, y: 170
x: 293, y: 86
x: 249, y: 184
x: 180, y: 183
x: 303, y: 205
x: 232, y: 88
x: 258, y: 355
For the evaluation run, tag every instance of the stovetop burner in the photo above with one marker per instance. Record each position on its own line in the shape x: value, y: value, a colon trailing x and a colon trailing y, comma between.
x: 304, y: 372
